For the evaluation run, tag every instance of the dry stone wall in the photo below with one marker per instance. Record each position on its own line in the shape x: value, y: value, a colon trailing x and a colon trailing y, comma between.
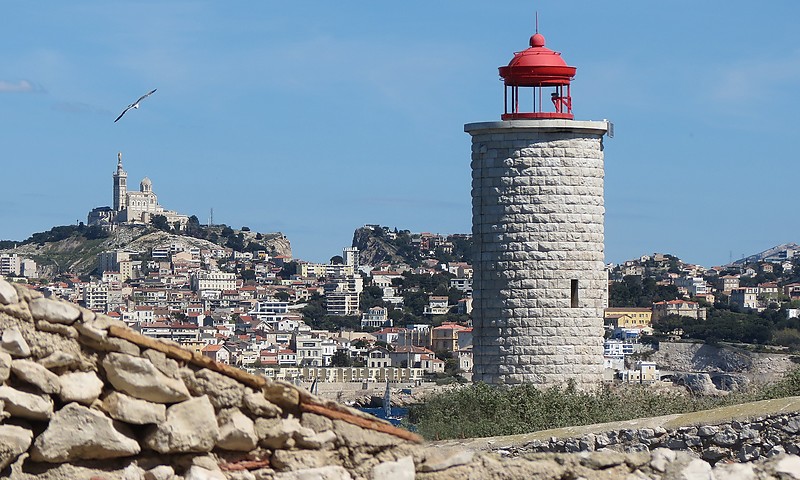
x: 83, y: 397
x: 539, y: 278
x: 741, y: 441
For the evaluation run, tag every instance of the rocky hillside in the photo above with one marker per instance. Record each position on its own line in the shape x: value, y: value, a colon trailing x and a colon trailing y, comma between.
x: 758, y: 368
x: 78, y: 254
x: 374, y: 247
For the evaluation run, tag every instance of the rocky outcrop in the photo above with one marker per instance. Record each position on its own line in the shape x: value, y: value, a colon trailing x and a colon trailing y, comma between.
x: 374, y: 248
x: 743, y: 366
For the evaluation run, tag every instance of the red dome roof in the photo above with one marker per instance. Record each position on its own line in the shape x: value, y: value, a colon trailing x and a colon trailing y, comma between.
x: 537, y: 66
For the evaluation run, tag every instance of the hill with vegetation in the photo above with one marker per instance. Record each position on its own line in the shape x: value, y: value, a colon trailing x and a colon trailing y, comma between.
x: 378, y: 244
x: 74, y: 248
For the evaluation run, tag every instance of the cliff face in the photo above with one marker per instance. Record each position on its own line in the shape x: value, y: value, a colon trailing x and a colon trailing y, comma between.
x: 374, y: 248
x: 758, y: 368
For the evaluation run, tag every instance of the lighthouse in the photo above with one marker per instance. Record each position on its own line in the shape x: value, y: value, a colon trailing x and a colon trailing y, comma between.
x: 537, y: 224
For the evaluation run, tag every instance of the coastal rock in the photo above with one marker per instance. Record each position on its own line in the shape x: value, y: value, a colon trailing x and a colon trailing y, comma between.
x: 5, y: 366
x: 59, y: 359
x: 196, y: 472
x: 161, y: 472
x: 402, y: 469
x: 79, y: 433
x: 258, y: 405
x: 331, y: 472
x: 222, y: 391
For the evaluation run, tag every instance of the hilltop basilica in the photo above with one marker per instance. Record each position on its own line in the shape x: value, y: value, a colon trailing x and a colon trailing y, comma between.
x: 132, y: 207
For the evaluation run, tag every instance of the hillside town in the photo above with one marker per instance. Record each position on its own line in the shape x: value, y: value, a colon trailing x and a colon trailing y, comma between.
x: 263, y: 313
x: 246, y: 309
x: 398, y: 310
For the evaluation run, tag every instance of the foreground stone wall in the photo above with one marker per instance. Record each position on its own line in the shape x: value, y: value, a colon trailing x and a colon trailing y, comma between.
x: 539, y: 281
x: 83, y: 397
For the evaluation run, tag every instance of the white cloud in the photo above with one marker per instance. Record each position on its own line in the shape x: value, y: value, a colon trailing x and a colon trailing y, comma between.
x: 23, y: 86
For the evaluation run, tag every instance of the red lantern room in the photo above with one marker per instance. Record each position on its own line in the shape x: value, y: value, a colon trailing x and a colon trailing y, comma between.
x: 546, y: 73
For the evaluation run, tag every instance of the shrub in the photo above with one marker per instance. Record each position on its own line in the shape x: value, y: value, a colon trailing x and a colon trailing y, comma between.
x: 482, y: 410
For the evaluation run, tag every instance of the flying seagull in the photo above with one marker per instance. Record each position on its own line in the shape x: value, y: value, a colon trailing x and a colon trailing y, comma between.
x: 135, y: 104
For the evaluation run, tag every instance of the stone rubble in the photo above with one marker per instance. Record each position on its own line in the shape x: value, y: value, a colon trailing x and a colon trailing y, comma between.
x: 84, y: 397
x: 740, y: 441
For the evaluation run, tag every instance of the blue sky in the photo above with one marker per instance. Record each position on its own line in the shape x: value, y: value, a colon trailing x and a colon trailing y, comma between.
x: 314, y: 118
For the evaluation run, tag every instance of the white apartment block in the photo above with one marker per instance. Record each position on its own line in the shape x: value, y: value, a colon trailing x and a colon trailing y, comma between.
x: 617, y: 348
x: 214, y: 280
x: 341, y: 303
x: 95, y: 297
x: 12, y: 264
x: 694, y: 286
x: 350, y: 256
x: 9, y: 264
x: 437, y: 306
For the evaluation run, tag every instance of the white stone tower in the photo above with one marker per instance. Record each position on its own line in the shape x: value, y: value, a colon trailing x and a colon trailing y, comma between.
x: 120, y: 186
x: 537, y: 223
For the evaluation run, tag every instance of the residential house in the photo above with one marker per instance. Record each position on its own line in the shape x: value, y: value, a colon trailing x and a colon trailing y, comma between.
x: 644, y: 372
x: 309, y: 351
x: 217, y: 353
x: 375, y: 317
x: 437, y: 305
x: 378, y: 357
x: 681, y: 308
x: 465, y: 362
x: 628, y: 317
x: 617, y: 348
x: 408, y: 356
x: 744, y: 297
x: 691, y: 285
x: 389, y: 334
x: 430, y: 363
x: 450, y: 337
x: 768, y: 291
x: 287, y: 357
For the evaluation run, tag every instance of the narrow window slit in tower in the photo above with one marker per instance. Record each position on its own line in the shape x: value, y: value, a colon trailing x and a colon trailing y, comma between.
x: 574, y: 293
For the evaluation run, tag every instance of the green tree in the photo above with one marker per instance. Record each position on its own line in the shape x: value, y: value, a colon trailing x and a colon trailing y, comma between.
x: 371, y: 296
x: 160, y: 222
x: 289, y: 269
x: 341, y: 358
